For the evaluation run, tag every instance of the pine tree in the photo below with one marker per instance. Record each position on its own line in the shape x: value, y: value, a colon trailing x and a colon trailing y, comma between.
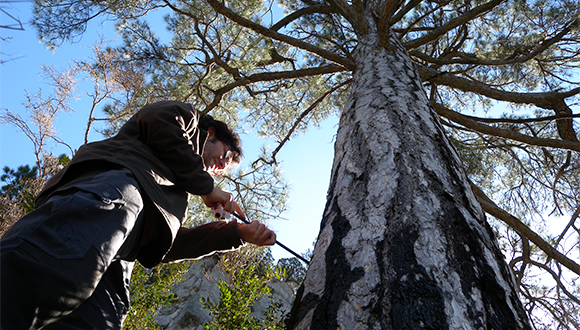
x: 404, y: 239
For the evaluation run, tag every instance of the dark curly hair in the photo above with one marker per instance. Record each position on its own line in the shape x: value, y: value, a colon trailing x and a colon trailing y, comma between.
x: 224, y: 134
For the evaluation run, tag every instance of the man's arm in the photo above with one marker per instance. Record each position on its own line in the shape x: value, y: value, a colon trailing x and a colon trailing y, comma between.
x: 200, y: 241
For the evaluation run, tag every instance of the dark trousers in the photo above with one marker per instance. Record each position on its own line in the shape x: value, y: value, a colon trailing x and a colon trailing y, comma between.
x: 67, y: 264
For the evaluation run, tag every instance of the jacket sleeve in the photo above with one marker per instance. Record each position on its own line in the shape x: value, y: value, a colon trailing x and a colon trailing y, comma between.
x: 203, y: 240
x: 169, y: 129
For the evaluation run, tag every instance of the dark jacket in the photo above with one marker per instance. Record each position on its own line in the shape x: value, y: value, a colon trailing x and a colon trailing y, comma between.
x: 162, y: 146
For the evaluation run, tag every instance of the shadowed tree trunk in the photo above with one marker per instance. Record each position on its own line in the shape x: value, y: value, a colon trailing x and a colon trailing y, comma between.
x: 404, y: 243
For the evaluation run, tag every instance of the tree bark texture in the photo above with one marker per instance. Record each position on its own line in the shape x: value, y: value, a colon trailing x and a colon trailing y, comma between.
x: 403, y: 243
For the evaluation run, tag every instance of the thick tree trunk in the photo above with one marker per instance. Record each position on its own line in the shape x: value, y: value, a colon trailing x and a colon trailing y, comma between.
x: 403, y: 243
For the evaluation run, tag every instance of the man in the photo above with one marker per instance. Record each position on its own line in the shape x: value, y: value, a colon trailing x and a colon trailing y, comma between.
x: 67, y: 264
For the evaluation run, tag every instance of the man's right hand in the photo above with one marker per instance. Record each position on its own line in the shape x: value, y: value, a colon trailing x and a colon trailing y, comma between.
x: 223, y: 198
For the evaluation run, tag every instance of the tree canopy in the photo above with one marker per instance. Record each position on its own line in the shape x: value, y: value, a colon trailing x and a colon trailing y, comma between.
x: 502, y: 75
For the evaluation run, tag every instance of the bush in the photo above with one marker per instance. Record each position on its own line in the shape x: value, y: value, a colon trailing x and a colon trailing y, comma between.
x: 237, y: 297
x: 151, y: 289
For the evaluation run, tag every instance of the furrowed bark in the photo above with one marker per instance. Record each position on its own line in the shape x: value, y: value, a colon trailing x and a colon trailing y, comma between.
x: 403, y: 243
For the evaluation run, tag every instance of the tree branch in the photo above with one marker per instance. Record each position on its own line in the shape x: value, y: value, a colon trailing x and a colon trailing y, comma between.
x: 520, y: 120
x: 542, y: 100
x: 416, y: 20
x: 502, y: 133
x: 347, y: 12
x: 570, y: 224
x: 556, y: 278
x: 490, y: 207
x: 17, y: 26
x: 463, y: 58
x: 270, y: 76
x: 233, y: 71
x: 383, y: 22
x: 358, y: 12
x: 468, y: 16
x: 403, y: 11
x: 304, y: 114
x: 318, y: 9
x: 242, y: 21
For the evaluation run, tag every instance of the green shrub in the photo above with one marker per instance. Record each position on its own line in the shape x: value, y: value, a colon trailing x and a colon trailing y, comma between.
x: 237, y: 297
x: 150, y: 289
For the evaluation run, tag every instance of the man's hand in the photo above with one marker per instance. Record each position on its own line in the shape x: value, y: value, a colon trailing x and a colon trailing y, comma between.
x: 256, y: 233
x: 223, y: 198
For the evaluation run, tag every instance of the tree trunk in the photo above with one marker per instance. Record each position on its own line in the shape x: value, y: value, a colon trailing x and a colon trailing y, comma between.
x: 403, y: 243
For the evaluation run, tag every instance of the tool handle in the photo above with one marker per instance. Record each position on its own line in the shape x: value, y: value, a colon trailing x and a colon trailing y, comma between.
x: 220, y: 213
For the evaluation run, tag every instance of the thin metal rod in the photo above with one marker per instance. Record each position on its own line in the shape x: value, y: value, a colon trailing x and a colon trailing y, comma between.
x: 280, y: 244
x: 294, y: 253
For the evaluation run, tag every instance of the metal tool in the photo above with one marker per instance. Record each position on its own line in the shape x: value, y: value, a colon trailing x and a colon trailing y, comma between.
x: 220, y: 213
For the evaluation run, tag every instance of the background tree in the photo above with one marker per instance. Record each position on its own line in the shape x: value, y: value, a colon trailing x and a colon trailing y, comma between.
x: 10, y: 22
x: 295, y: 270
x: 17, y: 195
x: 23, y: 184
x: 473, y: 58
x: 14, y: 179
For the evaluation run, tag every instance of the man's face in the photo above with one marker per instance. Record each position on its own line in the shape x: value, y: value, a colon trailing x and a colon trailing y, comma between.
x: 216, y: 155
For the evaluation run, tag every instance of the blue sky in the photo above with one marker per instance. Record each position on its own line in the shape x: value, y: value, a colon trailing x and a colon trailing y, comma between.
x: 22, y: 73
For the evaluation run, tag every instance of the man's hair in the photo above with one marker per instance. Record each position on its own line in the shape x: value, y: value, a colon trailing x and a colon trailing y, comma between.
x: 224, y: 134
